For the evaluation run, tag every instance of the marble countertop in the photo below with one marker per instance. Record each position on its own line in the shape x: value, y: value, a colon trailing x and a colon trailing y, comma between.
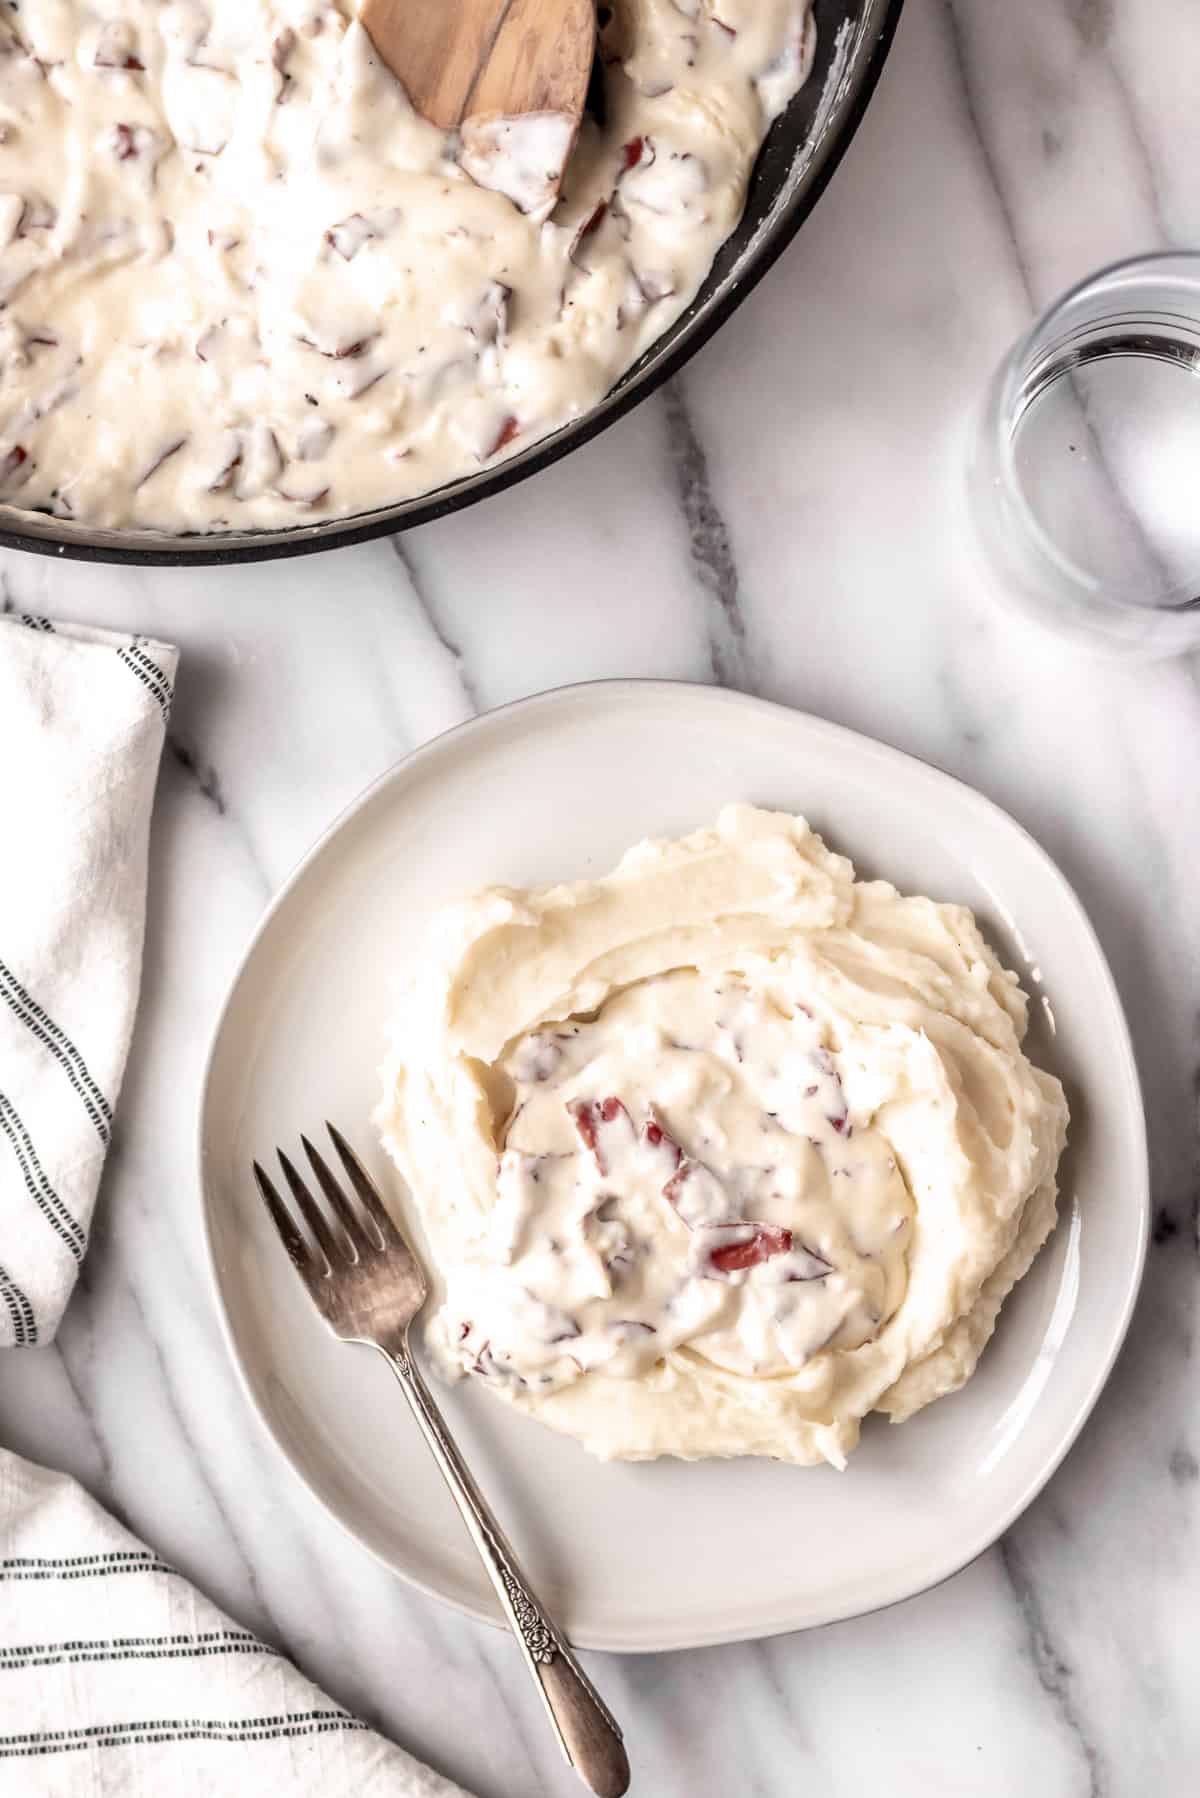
x: 786, y: 519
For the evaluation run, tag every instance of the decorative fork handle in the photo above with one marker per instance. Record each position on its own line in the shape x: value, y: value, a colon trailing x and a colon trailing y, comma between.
x: 586, y: 1729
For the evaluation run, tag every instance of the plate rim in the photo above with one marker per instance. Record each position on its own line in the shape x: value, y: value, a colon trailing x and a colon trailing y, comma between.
x: 899, y: 1591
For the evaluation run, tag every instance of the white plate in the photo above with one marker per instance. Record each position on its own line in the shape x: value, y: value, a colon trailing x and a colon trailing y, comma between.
x: 667, y: 1554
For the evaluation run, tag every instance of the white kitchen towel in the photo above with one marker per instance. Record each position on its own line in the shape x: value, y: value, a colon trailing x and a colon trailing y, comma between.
x: 118, y: 1680
x: 83, y: 716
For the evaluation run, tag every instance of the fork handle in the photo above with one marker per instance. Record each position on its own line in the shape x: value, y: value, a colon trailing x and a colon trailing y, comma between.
x: 586, y: 1729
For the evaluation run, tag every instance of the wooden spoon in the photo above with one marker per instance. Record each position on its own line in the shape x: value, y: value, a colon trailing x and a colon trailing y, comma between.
x: 510, y: 76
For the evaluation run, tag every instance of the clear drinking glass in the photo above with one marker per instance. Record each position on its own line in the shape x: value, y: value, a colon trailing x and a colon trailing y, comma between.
x: 1085, y: 472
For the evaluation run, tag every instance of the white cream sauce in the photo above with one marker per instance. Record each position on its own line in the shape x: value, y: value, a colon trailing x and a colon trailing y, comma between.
x: 243, y: 284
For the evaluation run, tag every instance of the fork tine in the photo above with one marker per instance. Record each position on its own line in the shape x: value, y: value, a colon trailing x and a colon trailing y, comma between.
x: 344, y: 1211
x: 366, y: 1189
x: 299, y: 1253
x: 333, y: 1250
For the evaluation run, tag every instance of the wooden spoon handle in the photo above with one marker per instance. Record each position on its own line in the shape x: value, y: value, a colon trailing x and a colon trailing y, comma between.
x: 436, y: 51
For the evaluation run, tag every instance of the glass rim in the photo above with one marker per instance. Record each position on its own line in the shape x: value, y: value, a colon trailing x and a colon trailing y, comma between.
x: 1004, y: 388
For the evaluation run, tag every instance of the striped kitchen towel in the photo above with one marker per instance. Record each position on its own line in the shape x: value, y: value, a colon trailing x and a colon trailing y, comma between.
x: 118, y: 1680
x: 83, y: 716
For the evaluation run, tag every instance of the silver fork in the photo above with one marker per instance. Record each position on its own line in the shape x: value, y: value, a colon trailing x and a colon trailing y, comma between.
x: 368, y: 1285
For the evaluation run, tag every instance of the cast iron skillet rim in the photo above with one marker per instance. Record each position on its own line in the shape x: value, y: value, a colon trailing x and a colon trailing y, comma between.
x: 448, y: 500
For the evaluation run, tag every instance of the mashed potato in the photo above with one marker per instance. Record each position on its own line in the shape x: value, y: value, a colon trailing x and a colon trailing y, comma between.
x: 722, y: 1152
x: 244, y: 285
